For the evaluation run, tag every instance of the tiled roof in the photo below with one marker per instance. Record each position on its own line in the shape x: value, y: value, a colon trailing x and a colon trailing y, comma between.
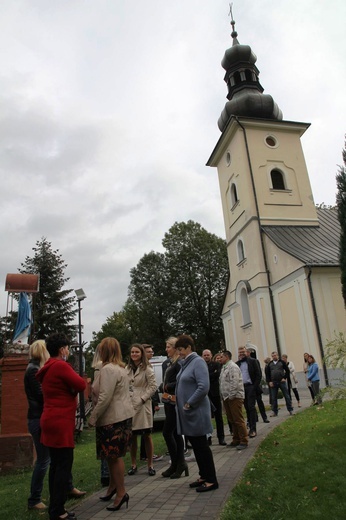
x: 318, y: 246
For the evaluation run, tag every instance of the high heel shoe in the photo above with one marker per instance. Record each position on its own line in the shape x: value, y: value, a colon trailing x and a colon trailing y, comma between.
x: 105, y: 498
x: 180, y: 469
x: 132, y: 470
x: 125, y: 498
x: 169, y: 471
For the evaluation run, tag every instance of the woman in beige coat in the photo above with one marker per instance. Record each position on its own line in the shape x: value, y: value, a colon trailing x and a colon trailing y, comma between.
x: 142, y: 386
x: 112, y: 416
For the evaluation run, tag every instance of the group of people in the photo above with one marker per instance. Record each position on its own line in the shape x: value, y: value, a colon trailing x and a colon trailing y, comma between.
x: 194, y: 389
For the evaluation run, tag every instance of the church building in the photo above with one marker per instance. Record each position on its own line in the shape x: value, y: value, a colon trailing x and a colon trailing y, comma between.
x: 284, y: 290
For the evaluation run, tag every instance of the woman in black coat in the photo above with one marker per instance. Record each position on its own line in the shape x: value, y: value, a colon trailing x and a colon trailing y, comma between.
x: 175, y: 442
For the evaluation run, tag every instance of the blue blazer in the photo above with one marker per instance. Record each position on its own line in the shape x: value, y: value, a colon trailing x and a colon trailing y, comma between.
x: 192, y: 387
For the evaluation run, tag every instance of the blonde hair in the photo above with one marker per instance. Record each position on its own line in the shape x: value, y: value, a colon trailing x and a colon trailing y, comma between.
x: 110, y: 352
x: 171, y: 341
x: 38, y: 350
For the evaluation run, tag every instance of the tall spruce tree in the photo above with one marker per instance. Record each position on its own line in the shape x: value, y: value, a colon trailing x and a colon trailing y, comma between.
x: 341, y: 205
x: 53, y: 308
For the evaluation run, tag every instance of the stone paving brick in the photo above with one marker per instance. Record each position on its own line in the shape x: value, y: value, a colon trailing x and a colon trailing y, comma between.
x: 160, y: 498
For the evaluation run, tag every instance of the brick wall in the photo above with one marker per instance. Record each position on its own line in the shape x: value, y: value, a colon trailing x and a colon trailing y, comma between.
x: 14, y: 405
x: 16, y: 452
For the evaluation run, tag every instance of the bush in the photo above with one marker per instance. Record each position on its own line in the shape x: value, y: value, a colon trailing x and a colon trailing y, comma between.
x: 335, y: 358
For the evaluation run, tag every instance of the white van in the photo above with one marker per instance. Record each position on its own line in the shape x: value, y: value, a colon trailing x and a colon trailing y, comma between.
x: 156, y: 363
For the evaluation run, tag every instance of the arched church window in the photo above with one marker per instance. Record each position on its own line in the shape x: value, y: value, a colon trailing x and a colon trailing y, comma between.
x: 278, y: 180
x: 237, y: 77
x: 245, y: 309
x: 240, y: 251
x: 234, y: 195
x: 248, y: 75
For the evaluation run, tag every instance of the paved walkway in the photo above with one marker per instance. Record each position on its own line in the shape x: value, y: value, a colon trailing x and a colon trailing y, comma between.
x: 160, y: 498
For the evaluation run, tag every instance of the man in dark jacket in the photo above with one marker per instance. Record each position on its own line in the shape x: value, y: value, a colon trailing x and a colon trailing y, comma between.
x: 214, y: 370
x: 277, y: 374
x: 251, y: 373
x: 259, y: 392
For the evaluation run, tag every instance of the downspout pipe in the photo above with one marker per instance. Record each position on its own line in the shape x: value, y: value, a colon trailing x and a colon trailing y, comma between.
x: 317, y: 326
x: 271, y: 298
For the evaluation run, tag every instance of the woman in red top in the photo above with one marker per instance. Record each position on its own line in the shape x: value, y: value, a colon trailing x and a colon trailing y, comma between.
x: 60, y: 386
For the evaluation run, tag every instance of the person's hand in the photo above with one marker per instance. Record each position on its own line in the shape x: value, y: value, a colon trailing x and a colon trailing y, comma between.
x: 91, y: 423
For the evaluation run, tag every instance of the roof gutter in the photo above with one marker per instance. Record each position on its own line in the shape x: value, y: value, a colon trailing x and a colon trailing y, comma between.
x: 317, y: 325
x: 271, y: 298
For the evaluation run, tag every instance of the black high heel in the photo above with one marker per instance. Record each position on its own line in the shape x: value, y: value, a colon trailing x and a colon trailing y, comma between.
x: 105, y: 498
x: 125, y: 498
x: 169, y: 471
x: 180, y: 470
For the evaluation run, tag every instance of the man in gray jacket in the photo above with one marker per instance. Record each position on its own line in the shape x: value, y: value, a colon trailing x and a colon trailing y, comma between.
x: 232, y: 394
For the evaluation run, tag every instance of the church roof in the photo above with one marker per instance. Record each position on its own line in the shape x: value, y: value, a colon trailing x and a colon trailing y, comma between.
x: 245, y: 93
x: 315, y: 246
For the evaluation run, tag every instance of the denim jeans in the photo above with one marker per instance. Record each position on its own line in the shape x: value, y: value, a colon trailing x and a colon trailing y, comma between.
x: 41, y: 464
x: 274, y: 396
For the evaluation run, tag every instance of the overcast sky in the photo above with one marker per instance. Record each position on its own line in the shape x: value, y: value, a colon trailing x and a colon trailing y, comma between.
x: 108, y: 114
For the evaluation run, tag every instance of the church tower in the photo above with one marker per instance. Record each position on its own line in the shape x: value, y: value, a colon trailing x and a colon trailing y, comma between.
x: 263, y: 183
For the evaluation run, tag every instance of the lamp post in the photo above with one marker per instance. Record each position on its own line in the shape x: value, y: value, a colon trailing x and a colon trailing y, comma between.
x: 80, y: 294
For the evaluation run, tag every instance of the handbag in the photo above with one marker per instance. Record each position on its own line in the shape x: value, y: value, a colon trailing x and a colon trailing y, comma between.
x: 168, y: 398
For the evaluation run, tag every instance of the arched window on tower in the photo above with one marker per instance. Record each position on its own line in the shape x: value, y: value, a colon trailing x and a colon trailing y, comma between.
x: 237, y: 77
x: 234, y: 195
x: 245, y: 309
x: 278, y: 179
x: 248, y: 75
x: 242, y: 291
x: 240, y: 251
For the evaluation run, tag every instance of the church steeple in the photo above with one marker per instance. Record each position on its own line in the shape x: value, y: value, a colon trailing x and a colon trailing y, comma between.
x: 245, y: 93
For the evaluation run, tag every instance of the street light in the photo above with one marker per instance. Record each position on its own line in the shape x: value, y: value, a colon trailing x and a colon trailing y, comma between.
x: 80, y: 294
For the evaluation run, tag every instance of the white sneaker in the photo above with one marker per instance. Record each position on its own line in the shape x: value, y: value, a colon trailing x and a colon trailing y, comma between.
x: 157, y: 457
x: 191, y: 458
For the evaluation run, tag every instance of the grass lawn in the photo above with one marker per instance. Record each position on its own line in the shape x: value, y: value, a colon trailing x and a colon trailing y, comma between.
x: 298, y: 472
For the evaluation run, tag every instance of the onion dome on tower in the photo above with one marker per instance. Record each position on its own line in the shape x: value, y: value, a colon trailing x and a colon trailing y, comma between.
x: 245, y: 93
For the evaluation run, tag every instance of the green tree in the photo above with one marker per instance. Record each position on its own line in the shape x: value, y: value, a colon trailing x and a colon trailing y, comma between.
x: 341, y: 206
x: 116, y: 326
x: 335, y: 358
x: 198, y: 270
x: 148, y: 305
x: 180, y: 290
x: 53, y: 308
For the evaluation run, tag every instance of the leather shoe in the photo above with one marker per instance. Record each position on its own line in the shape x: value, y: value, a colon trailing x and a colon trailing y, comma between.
x: 204, y: 487
x: 75, y: 493
x: 197, y: 483
x: 222, y: 442
x: 105, y: 498
x: 39, y: 507
x: 266, y: 420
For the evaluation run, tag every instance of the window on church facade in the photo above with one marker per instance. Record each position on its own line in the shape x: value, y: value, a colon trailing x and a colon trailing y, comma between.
x: 240, y: 251
x: 278, y: 180
x: 234, y: 195
x: 245, y: 309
